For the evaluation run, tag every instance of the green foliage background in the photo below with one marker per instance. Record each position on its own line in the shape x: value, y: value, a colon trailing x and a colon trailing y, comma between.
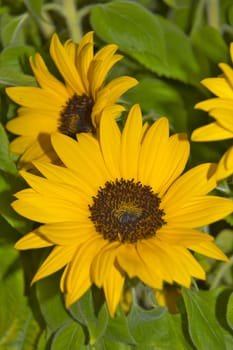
x: 169, y: 46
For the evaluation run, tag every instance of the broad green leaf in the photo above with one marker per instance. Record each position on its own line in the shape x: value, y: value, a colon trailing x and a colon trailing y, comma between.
x: 19, y: 329
x: 150, y: 39
x: 11, y: 77
x: 159, y: 98
x: 69, y: 337
x: 10, y: 184
x: 11, y: 61
x: 51, y: 303
x: 158, y: 328
x: 107, y: 344
x: 118, y: 329
x: 91, y: 311
x: 204, y: 329
x: 230, y: 311
x: 12, y: 29
x: 211, y: 43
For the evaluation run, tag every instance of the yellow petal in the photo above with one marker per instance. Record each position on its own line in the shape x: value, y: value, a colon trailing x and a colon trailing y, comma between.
x: 215, y: 102
x: 132, y: 263
x: 211, y: 132
x: 110, y: 138
x: 45, y: 79
x: 219, y: 87
x: 209, y: 249
x: 86, y: 152
x: 113, y: 286
x: 102, y: 263
x: 195, y: 182
x: 198, y: 212
x: 39, y: 98
x: 170, y: 163
x: 33, y: 124
x: 225, y: 165
x: 228, y: 72
x: 55, y: 210
x: 63, y: 233
x: 78, y: 276
x: 224, y: 118
x: 32, y: 241
x: 56, y: 260
x: 130, y: 144
x: 181, y: 236
x: 151, y: 153
x: 66, y: 65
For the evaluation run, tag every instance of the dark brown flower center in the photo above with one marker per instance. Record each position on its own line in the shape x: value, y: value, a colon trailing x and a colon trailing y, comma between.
x: 76, y: 116
x: 126, y: 211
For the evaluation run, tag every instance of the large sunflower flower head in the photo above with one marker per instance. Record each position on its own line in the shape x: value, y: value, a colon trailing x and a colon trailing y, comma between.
x: 121, y: 206
x: 221, y: 109
x: 70, y: 105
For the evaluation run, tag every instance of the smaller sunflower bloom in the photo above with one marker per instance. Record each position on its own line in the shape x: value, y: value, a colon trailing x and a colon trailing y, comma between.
x: 221, y: 109
x: 121, y: 206
x: 70, y: 105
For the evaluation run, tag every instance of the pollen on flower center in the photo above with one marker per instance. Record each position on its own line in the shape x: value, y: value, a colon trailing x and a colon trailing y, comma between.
x: 76, y: 116
x: 126, y: 211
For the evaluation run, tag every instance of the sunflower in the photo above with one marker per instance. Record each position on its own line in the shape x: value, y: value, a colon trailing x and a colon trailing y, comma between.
x: 121, y: 207
x: 70, y: 105
x: 221, y: 109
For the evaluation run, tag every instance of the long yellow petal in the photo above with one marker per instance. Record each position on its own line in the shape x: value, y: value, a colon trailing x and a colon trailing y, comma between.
x: 56, y: 260
x: 32, y: 241
x: 113, y: 286
x: 211, y: 132
x: 130, y: 144
x: 110, y: 138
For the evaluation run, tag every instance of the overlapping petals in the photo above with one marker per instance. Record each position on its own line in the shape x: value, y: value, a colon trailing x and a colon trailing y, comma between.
x: 82, y: 73
x: 151, y: 157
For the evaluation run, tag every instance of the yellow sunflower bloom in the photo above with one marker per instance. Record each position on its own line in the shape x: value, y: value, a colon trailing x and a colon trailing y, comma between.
x: 71, y: 105
x: 221, y: 109
x: 121, y: 206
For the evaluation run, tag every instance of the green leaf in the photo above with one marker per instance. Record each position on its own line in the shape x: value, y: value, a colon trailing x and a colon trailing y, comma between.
x: 107, y: 344
x: 158, y: 328
x: 91, y: 311
x: 19, y: 328
x: 69, y: 337
x: 168, y: 101
x: 118, y: 329
x: 6, y: 160
x: 230, y: 311
x: 224, y: 240
x: 51, y: 303
x: 12, y: 59
x: 10, y: 184
x: 204, y: 328
x: 150, y: 39
x: 12, y: 29
x: 34, y: 6
x: 211, y: 43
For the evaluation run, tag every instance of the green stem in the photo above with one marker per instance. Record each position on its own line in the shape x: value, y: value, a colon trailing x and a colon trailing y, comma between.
x: 221, y: 272
x: 212, y: 9
x: 198, y: 15
x: 70, y: 14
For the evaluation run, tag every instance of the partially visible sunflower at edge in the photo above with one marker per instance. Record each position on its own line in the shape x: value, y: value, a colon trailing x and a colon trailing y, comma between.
x: 221, y: 109
x: 121, y: 206
x: 70, y: 106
